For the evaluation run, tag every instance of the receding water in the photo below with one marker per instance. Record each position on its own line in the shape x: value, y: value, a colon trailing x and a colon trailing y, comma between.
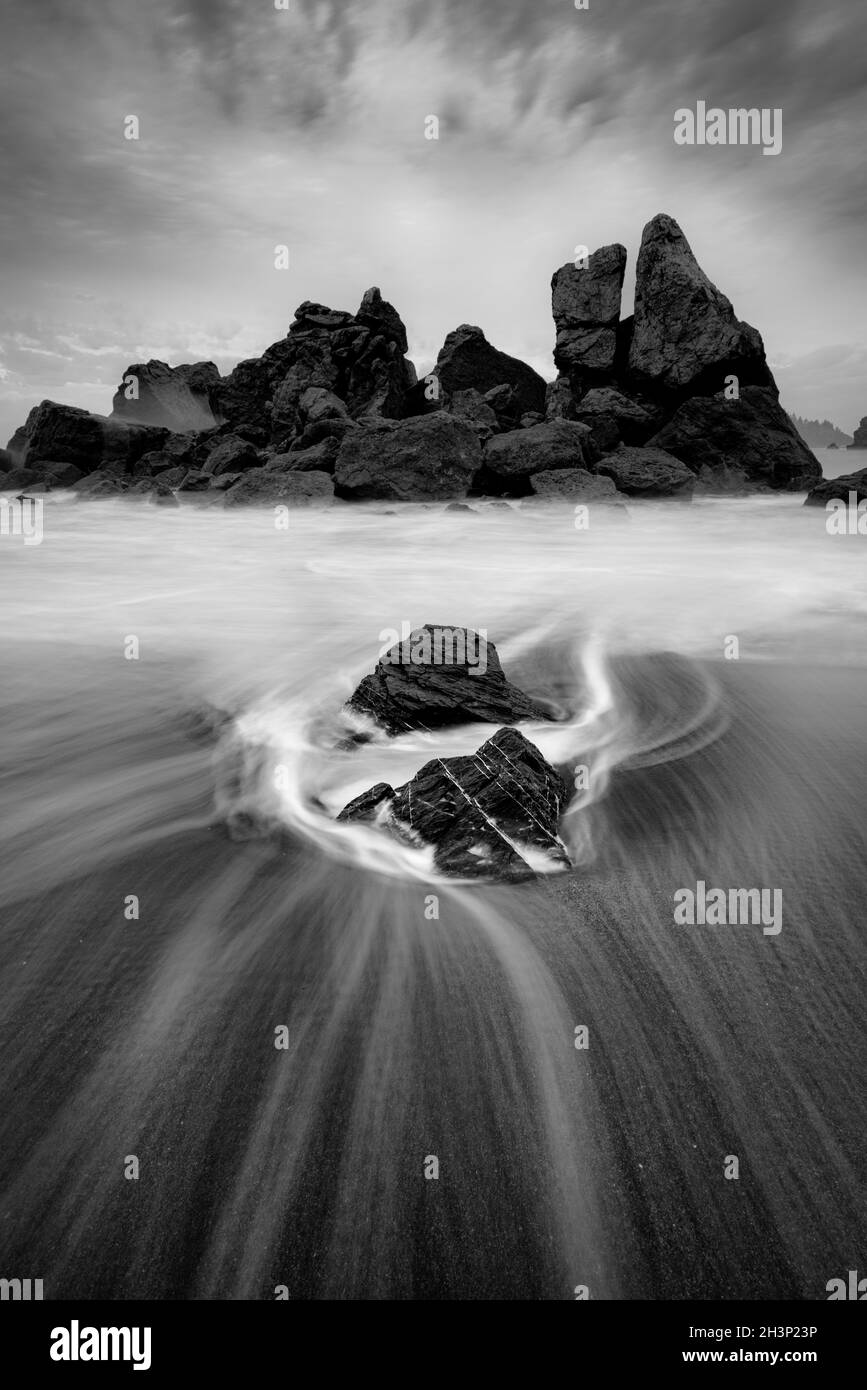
x: 409, y: 1035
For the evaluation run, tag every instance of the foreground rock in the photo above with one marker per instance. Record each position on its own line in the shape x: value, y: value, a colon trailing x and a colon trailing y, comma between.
x: 493, y: 814
x: 556, y: 444
x: 752, y: 436
x: 648, y: 473
x: 438, y: 676
x: 266, y: 485
x: 428, y: 458
x: 838, y: 489
x: 68, y: 434
x: 686, y: 337
x: 575, y: 484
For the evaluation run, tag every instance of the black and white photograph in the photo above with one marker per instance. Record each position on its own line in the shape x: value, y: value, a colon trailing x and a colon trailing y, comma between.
x: 433, y: 678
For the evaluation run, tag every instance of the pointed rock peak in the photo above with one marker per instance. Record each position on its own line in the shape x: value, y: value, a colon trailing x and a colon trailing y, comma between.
x: 381, y: 317
x: 686, y: 336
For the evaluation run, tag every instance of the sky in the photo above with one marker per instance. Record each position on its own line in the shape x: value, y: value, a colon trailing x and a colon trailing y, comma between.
x: 305, y: 127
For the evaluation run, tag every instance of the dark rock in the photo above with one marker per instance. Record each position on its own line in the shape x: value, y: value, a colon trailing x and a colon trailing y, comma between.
x: 195, y: 480
x: 648, y: 472
x: 531, y: 418
x: 319, y: 458
x: 460, y: 507
x: 369, y: 805
x: 14, y: 479
x: 586, y: 307
x: 686, y: 338
x: 6, y: 461
x: 634, y: 422
x: 576, y: 484
x: 470, y: 405
x: 859, y: 439
x: 838, y: 489
x: 266, y: 485
x: 751, y: 435
x: 382, y: 319
x: 67, y: 433
x: 426, y: 458
x: 442, y: 686
x: 556, y: 444
x: 180, y: 398
x: 493, y: 814
x: 101, y: 485
x: 60, y: 474
x: 506, y: 406
x: 224, y: 481
x: 559, y: 400
x: 467, y: 360
x: 231, y: 455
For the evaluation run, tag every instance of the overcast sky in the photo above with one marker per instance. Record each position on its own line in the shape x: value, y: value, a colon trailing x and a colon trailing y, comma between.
x: 306, y: 127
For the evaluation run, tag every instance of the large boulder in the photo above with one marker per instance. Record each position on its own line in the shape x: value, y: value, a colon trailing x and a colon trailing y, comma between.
x: 425, y: 458
x: 586, y: 307
x: 750, y: 436
x: 493, y: 814
x: 231, y: 454
x: 647, y: 472
x: 555, y: 444
x: 686, y: 338
x: 266, y: 485
x: 859, y: 440
x: 467, y: 361
x: 838, y: 489
x: 68, y: 434
x: 442, y: 675
x: 180, y: 398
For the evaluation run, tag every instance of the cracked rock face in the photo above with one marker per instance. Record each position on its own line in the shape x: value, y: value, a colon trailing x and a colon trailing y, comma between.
x: 442, y: 675
x: 493, y: 814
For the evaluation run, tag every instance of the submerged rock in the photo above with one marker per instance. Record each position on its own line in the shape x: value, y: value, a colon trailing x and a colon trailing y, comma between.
x: 442, y: 675
x: 493, y: 814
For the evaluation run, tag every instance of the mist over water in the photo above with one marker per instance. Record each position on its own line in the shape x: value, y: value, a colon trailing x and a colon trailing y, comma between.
x: 410, y: 1037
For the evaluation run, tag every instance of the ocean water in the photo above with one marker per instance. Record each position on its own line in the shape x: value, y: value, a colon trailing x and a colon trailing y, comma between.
x: 171, y: 673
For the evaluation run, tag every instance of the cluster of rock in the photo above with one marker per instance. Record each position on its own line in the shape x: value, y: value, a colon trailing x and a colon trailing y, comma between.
x: 492, y: 814
x: 675, y: 397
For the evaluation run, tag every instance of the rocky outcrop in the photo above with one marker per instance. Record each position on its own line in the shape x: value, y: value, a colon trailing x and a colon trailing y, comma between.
x: 429, y: 457
x: 859, y: 439
x: 686, y: 338
x: 586, y: 306
x: 467, y: 361
x: 839, y: 489
x: 179, y: 398
x: 751, y: 436
x: 493, y: 814
x: 69, y: 434
x: 647, y: 472
x: 441, y: 675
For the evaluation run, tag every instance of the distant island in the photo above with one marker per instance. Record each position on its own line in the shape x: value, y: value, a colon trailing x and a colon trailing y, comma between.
x: 820, y: 434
